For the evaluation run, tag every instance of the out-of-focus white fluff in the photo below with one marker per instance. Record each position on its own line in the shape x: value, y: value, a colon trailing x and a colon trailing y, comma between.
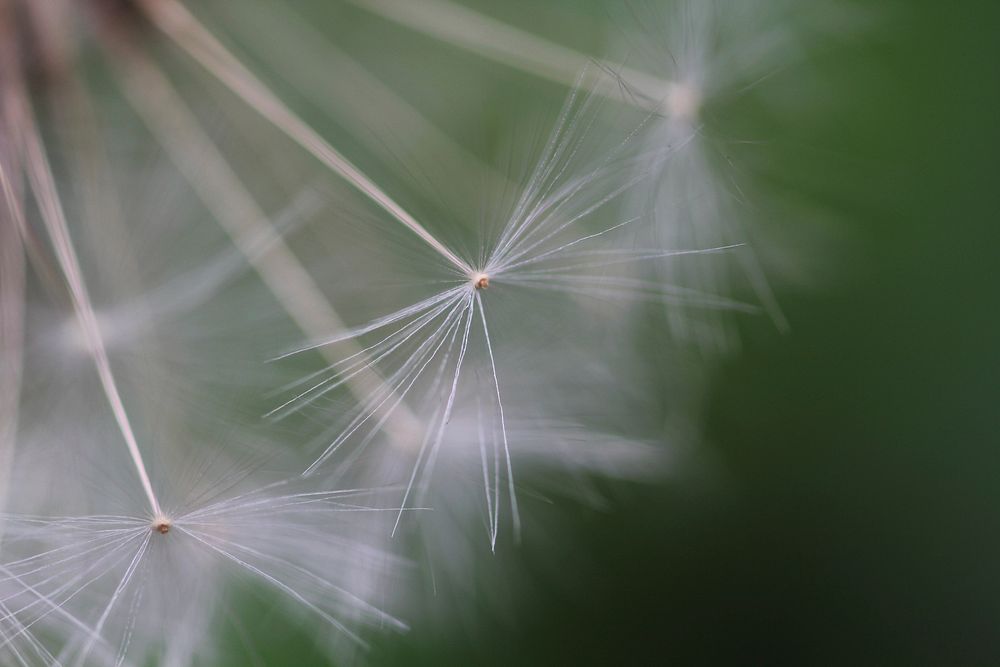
x: 711, y: 54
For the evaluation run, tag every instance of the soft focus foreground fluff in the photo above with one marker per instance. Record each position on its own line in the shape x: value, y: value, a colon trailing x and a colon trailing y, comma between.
x: 170, y: 223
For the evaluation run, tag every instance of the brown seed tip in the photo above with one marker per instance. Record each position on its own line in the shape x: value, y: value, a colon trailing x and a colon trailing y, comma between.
x: 162, y: 526
x: 481, y: 281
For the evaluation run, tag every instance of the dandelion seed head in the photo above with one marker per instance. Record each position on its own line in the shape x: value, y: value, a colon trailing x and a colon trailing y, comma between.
x: 447, y: 355
x: 110, y: 584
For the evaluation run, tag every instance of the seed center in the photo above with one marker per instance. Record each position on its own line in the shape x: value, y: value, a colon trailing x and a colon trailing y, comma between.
x: 481, y: 281
x: 161, y: 525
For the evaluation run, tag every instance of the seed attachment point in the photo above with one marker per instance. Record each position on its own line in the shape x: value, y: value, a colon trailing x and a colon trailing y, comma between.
x: 481, y: 281
x: 161, y: 525
x: 683, y: 102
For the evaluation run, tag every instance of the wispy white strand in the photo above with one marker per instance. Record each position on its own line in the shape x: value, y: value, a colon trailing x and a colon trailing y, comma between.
x: 515, y: 514
x: 122, y: 585
x: 408, y: 374
x: 446, y: 415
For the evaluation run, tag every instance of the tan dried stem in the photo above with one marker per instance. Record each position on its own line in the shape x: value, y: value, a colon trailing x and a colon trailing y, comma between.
x: 187, y: 32
x: 42, y: 182
x: 12, y: 295
x: 196, y: 157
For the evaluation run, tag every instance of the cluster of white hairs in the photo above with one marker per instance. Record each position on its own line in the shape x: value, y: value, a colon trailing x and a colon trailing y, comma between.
x: 233, y: 362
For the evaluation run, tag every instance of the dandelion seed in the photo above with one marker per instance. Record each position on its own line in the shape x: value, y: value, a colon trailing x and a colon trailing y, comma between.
x: 428, y: 346
x: 130, y: 580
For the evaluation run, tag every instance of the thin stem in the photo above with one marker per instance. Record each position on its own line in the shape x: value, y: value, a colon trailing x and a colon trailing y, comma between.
x: 346, y: 89
x: 217, y: 185
x: 46, y: 194
x: 12, y: 262
x: 515, y: 514
x: 12, y: 277
x: 184, y: 29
